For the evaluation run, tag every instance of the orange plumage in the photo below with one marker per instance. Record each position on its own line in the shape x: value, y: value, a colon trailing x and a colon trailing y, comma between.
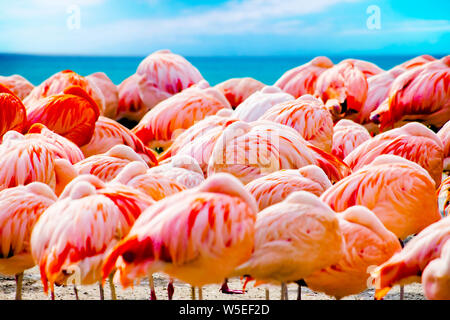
x: 400, y: 192
x: 71, y: 114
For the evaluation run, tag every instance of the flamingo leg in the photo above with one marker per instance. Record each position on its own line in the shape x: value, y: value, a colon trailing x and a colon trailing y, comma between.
x: 226, y: 290
x: 283, y: 291
x: 170, y: 289
x: 152, y: 287
x: 192, y: 293
x: 300, y: 284
x: 112, y: 287
x: 75, y: 290
x: 402, y: 288
x: 52, y: 295
x: 200, y: 293
x: 102, y: 292
x: 19, y: 280
x: 267, y: 294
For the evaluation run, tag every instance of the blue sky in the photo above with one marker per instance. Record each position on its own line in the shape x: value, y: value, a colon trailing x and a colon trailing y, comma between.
x: 223, y: 27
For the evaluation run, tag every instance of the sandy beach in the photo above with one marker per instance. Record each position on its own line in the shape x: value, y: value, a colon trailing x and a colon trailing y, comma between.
x: 32, y: 290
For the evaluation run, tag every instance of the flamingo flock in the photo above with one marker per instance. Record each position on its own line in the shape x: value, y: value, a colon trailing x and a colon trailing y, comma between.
x: 333, y: 178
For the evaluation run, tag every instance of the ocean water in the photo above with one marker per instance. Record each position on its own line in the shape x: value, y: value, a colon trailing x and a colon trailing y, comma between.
x: 214, y: 69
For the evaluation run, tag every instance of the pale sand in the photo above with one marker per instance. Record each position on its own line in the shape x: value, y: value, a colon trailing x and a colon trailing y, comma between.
x: 32, y: 290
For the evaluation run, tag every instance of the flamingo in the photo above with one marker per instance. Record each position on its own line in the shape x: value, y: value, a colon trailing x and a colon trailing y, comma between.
x: 131, y: 107
x: 236, y: 90
x: 109, y: 133
x: 347, y: 136
x: 367, y: 243
x: 293, y: 239
x: 249, y: 151
x: 158, y: 77
x: 444, y: 135
x: 182, y: 169
x: 425, y: 258
x: 59, y: 82
x: 166, y: 120
x: 64, y: 148
x: 20, y: 86
x: 400, y: 193
x: 198, y: 141
x: 419, y: 94
x: 377, y: 92
x: 71, y: 114
x: 197, y: 236
x: 308, y: 116
x: 444, y: 196
x: 346, y: 84
x: 275, y: 187
x: 72, y: 236
x: 259, y: 102
x: 157, y: 186
x: 20, y: 208
x: 106, y: 166
x: 413, y: 141
x: 24, y: 160
x: 109, y: 91
x: 417, y: 61
x: 13, y: 114
x: 302, y: 79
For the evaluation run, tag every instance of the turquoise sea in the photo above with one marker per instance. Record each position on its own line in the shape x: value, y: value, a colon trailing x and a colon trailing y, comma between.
x: 214, y: 69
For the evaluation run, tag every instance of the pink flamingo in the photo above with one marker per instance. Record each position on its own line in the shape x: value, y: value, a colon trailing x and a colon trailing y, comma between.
x: 236, y: 90
x: 249, y: 151
x: 166, y: 120
x: 293, y: 239
x: 259, y: 102
x: 20, y: 208
x: 109, y: 133
x: 377, y: 93
x: 71, y: 114
x: 413, y: 141
x: 275, y: 187
x: 308, y: 116
x: 302, y: 79
x: 20, y: 86
x: 59, y: 82
x: 347, y: 136
x: 24, y: 160
x: 106, y: 166
x: 158, y: 77
x: 420, y: 94
x: 400, y: 192
x: 367, y: 243
x: 109, y: 91
x: 198, y: 236
x: 72, y: 236
x: 425, y: 258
